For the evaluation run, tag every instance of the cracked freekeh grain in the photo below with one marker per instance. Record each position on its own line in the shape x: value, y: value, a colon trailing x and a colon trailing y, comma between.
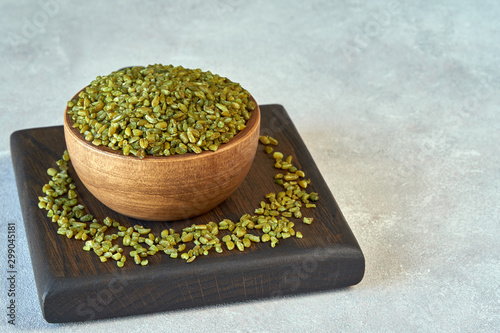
x: 161, y: 110
x: 270, y: 220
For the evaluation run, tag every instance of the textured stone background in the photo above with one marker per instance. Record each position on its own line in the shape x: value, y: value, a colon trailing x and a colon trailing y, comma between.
x: 397, y: 102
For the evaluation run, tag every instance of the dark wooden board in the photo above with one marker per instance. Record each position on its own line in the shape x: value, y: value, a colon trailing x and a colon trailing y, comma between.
x: 73, y: 285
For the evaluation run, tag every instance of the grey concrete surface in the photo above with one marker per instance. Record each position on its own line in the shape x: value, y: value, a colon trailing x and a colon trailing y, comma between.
x: 397, y: 101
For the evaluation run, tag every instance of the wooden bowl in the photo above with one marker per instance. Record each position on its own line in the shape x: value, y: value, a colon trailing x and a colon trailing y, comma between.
x: 163, y: 188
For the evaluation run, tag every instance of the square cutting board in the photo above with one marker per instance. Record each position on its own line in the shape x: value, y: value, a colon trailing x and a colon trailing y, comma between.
x: 73, y: 285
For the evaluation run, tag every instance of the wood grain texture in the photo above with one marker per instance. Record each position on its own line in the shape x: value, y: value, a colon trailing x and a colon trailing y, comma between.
x: 73, y: 285
x: 163, y: 188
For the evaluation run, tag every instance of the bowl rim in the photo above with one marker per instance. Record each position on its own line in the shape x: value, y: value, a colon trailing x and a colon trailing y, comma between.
x: 251, y: 124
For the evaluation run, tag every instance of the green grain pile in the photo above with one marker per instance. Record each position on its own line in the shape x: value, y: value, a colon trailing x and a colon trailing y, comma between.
x: 161, y: 110
x: 270, y: 222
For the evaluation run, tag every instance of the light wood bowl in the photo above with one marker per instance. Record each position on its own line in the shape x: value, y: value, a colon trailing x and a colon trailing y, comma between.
x: 163, y: 188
